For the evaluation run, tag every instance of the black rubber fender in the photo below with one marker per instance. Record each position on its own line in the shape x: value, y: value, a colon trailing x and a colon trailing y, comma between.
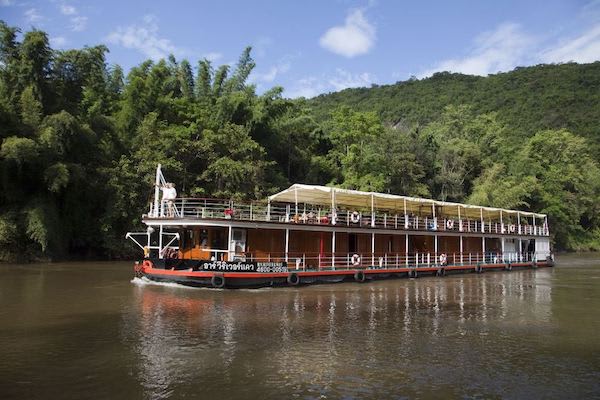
x: 293, y: 279
x: 359, y: 276
x: 217, y: 281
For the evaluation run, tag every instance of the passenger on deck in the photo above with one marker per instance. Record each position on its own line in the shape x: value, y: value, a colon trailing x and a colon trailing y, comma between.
x: 168, y: 198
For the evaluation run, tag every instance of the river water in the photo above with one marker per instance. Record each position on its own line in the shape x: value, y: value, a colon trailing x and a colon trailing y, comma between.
x: 87, y: 330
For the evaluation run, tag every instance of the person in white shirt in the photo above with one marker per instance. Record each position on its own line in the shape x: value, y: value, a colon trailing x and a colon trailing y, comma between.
x: 168, y: 198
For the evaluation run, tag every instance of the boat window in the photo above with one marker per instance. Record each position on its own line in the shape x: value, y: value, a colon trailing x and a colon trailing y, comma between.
x: 202, y: 238
x: 219, y: 239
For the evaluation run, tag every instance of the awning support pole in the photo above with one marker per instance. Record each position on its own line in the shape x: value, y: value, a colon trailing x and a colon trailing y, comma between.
x: 287, y: 243
x: 333, y: 249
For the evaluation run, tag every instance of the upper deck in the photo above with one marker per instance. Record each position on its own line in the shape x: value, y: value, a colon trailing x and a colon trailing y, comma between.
x: 321, y: 207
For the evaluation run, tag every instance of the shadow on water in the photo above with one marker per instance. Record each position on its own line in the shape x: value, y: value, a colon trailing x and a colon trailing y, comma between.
x: 86, y: 331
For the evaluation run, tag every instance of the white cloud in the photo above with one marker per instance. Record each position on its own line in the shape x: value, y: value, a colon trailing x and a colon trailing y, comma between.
x: 354, y: 38
x: 342, y: 79
x: 306, y: 87
x: 32, y: 16
x: 58, y: 42
x: 78, y: 23
x: 67, y: 9
x: 145, y: 39
x: 498, y: 50
x: 584, y: 48
x: 272, y: 73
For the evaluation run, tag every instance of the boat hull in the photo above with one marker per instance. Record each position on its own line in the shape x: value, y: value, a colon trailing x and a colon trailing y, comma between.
x: 176, y: 271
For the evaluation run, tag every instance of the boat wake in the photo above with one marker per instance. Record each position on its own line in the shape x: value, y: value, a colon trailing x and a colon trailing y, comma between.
x: 143, y: 281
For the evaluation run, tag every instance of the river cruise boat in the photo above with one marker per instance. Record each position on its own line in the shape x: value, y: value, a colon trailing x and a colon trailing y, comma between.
x: 317, y: 234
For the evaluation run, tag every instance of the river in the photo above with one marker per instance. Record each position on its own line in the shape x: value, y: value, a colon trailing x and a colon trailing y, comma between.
x: 87, y: 330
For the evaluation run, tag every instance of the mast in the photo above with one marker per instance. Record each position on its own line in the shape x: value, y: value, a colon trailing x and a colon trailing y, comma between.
x: 157, y: 190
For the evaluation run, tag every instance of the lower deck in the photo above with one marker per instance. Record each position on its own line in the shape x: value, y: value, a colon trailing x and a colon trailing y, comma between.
x: 308, y: 250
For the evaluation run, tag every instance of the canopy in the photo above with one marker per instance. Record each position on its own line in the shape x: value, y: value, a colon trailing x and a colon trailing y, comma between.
x: 334, y: 197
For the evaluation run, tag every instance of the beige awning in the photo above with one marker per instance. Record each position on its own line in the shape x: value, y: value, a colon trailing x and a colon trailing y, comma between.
x: 356, y: 199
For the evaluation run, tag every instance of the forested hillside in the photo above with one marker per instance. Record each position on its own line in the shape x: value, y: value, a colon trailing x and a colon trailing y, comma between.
x: 526, y: 99
x: 80, y: 141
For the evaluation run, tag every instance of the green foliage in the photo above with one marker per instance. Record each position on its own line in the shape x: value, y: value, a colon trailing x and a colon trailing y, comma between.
x: 19, y: 149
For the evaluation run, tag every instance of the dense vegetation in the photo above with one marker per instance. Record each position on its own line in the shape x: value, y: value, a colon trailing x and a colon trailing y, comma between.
x: 80, y: 142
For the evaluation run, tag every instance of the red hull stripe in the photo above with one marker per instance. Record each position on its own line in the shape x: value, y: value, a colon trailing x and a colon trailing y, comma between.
x: 246, y: 275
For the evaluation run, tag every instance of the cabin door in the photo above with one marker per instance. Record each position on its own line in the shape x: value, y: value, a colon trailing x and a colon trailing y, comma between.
x: 238, y: 239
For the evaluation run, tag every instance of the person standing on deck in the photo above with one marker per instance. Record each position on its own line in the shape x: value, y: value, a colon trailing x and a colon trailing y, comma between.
x: 169, y: 196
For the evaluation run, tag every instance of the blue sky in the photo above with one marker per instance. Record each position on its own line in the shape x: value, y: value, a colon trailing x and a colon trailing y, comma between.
x: 311, y: 47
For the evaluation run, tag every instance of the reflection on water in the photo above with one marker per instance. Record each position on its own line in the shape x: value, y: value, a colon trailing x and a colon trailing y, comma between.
x: 519, y: 334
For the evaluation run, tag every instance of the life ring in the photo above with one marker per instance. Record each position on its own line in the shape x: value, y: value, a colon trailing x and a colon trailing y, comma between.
x: 359, y: 276
x: 147, y: 264
x: 293, y: 279
x: 355, y: 259
x: 171, y: 253
x: 450, y: 224
x: 511, y: 228
x: 355, y: 217
x: 443, y: 259
x: 217, y: 281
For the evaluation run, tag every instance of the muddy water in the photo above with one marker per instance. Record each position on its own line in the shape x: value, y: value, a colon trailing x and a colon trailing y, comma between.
x: 86, y: 330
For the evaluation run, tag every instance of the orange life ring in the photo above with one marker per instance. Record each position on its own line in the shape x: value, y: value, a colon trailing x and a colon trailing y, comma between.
x: 147, y: 264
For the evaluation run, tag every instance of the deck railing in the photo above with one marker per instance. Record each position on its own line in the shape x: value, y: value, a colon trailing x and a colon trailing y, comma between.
x: 325, y: 261
x: 254, y: 211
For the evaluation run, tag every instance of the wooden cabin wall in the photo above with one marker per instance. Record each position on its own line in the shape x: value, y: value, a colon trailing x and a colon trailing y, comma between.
x: 493, y: 245
x: 304, y: 242
x: 390, y: 244
x: 421, y: 244
x: 265, y: 243
x: 341, y: 243
x: 448, y: 244
x: 472, y: 245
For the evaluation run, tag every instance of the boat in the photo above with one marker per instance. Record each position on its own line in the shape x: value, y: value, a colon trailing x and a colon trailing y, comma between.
x: 310, y: 234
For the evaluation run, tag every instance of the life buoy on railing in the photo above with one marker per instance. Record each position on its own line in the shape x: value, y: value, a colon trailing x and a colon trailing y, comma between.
x: 170, y: 252
x: 511, y: 228
x: 443, y: 259
x: 450, y: 224
x: 147, y: 264
x: 355, y: 259
x: 355, y: 217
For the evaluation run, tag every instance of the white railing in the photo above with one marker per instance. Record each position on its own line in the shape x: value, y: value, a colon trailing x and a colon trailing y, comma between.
x: 325, y: 261
x: 259, y: 211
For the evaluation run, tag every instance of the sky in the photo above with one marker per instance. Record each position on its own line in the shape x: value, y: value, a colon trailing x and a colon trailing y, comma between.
x: 311, y: 47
